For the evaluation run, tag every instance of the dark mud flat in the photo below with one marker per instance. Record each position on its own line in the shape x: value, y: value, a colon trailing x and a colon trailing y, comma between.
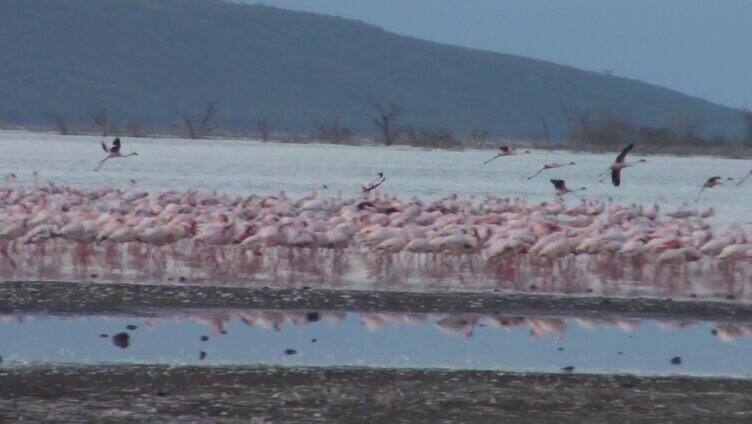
x: 133, y: 393
x: 89, y: 298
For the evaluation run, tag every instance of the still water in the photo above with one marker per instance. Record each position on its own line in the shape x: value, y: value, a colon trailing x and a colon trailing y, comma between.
x: 320, y: 338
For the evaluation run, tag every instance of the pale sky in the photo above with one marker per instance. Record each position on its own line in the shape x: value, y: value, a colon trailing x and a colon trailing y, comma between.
x: 699, y: 47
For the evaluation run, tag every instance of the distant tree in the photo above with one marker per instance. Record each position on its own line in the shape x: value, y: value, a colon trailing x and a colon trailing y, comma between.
x: 385, y: 119
x: 136, y: 128
x: 262, y: 125
x: 747, y: 119
x: 541, y: 131
x: 200, y: 126
x: 479, y: 136
x: 61, y: 123
x: 332, y: 132
x: 104, y: 124
x: 441, y: 138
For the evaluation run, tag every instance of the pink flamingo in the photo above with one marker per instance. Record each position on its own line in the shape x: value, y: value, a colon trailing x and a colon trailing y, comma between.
x: 113, y: 152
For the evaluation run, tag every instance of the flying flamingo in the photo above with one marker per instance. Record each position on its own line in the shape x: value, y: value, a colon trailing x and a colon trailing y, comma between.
x: 710, y: 183
x: 620, y: 164
x: 112, y: 152
x: 561, y: 187
x: 504, y: 151
x: 552, y: 165
x: 374, y: 184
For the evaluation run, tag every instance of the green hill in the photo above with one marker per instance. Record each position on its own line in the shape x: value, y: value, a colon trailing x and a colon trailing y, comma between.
x: 148, y: 60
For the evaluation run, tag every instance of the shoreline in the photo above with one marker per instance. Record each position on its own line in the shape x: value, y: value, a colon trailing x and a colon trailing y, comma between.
x: 117, y: 298
x: 729, y: 152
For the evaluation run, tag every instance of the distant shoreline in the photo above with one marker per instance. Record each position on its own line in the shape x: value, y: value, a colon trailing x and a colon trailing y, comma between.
x: 730, y: 152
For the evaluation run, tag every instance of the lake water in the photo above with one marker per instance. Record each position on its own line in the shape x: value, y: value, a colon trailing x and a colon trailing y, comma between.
x: 376, y: 339
x: 254, y: 167
x: 320, y: 338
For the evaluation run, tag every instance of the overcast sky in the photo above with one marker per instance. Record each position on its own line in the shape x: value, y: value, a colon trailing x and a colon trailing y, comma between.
x: 700, y: 47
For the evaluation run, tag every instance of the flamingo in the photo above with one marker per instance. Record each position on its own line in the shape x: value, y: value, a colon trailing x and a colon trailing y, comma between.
x: 561, y: 187
x: 504, y: 151
x: 374, y: 184
x: 112, y: 152
x: 710, y: 183
x: 620, y: 164
x: 552, y: 165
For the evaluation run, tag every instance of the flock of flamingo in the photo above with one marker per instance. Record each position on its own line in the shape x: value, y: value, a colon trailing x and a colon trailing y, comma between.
x: 40, y: 225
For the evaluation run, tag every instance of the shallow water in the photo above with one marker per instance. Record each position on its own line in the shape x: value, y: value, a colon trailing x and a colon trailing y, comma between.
x: 465, y: 341
x: 254, y: 167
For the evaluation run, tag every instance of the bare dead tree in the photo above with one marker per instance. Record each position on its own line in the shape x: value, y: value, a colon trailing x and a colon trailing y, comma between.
x: 479, y: 136
x: 103, y: 122
x: 198, y: 127
x: 545, y: 133
x: 747, y: 121
x: 688, y: 124
x: 385, y: 119
x: 136, y: 128
x: 436, y: 139
x: 61, y: 123
x: 263, y: 127
x: 332, y: 132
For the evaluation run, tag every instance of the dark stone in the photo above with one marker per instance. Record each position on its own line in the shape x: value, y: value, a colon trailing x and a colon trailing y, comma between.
x: 313, y: 316
x: 201, y: 355
x: 204, y: 338
x: 619, y: 353
x: 131, y: 327
x: 589, y: 290
x: 605, y: 301
x: 121, y: 340
x: 561, y: 349
x: 161, y: 394
x: 94, y: 275
x: 693, y: 295
x: 568, y: 368
x: 290, y: 351
x: 676, y: 360
x: 533, y: 287
x: 223, y: 331
x: 104, y: 335
x: 182, y: 279
x: 313, y: 340
x: 714, y: 332
x: 730, y: 297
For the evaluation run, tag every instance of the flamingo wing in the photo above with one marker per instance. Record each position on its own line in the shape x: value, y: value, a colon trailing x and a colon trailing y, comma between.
x: 616, y: 177
x: 623, y: 153
x: 115, y: 145
x: 558, y: 184
x: 104, y: 147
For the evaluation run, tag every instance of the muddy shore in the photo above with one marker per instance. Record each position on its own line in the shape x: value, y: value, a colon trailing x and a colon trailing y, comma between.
x: 88, y: 298
x: 134, y: 393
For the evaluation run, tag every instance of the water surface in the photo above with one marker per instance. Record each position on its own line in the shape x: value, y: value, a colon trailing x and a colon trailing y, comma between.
x: 262, y: 168
x: 379, y: 339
